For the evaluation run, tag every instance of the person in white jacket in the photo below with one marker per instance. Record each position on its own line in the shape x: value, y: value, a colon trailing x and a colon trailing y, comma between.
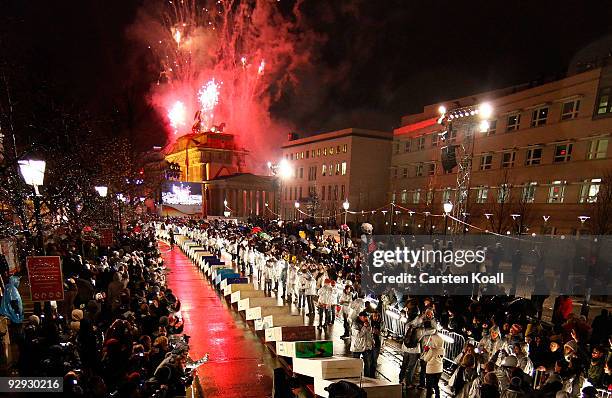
x: 324, y: 303
x: 433, y: 354
x: 345, y: 299
x: 311, y: 291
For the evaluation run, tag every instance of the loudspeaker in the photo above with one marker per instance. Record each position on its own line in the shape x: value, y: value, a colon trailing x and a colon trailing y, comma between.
x: 449, y: 157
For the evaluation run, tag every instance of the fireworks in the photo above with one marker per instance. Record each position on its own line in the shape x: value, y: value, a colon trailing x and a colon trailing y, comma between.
x: 234, y: 41
x: 177, y: 116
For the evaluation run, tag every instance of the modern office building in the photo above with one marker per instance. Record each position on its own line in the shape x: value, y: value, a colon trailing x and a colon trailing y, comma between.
x: 536, y: 168
x: 331, y: 168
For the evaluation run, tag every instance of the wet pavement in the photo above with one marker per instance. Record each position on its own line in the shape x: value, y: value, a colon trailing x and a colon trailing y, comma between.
x: 239, y: 365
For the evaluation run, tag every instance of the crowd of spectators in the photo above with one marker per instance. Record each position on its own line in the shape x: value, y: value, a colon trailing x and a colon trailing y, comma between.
x: 118, y: 331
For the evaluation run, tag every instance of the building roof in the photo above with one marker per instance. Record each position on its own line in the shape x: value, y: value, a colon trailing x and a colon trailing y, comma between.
x: 242, y: 176
x: 354, y: 132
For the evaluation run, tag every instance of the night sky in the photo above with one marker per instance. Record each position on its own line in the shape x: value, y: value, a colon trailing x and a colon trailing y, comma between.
x: 375, y: 61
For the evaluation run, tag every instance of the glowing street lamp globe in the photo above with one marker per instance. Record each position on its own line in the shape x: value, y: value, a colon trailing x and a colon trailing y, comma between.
x: 33, y: 172
x: 441, y: 109
x: 297, y: 205
x: 284, y: 169
x: 346, y: 205
x: 448, y: 207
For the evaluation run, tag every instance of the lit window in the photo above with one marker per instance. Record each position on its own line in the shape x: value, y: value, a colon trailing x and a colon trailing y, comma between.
x: 598, y: 149
x: 446, y: 195
x: 434, y: 139
x: 329, y: 192
x: 492, y: 127
x: 344, y: 148
x: 503, y: 193
x: 485, y: 162
x: 419, y: 170
x: 508, y: 159
x: 331, y: 150
x: 563, y: 153
x: 534, y: 156
x: 404, y: 196
x: 420, y: 142
x: 482, y: 194
x: 590, y: 190
x: 570, y: 109
x: 556, y: 192
x: 324, y: 151
x: 430, y: 195
x: 312, y: 153
x: 405, y: 172
x: 604, y: 105
x: 431, y: 169
x: 318, y: 152
x: 514, y: 122
x: 539, y: 116
x: 416, y: 196
x: 307, y: 154
x: 335, y: 192
x: 529, y: 191
x: 337, y: 168
x: 343, y: 168
x: 323, y: 170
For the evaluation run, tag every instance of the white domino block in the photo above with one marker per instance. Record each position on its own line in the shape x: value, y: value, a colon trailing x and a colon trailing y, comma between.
x: 374, y: 388
x: 249, y: 302
x: 260, y: 312
x: 328, y: 368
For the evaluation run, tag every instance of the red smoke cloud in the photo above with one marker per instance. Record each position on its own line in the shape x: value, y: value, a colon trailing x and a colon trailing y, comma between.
x: 250, y: 48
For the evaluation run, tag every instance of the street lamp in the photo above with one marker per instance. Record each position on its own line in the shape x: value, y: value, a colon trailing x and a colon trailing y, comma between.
x: 297, y: 207
x: 485, y: 110
x: 33, y: 172
x: 226, y: 213
x: 345, y: 206
x: 448, y: 207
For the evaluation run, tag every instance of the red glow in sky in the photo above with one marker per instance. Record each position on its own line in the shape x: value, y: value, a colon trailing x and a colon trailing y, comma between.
x: 228, y: 59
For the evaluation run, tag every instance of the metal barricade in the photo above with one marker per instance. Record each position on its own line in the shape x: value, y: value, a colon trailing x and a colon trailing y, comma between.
x: 601, y: 393
x: 453, y: 345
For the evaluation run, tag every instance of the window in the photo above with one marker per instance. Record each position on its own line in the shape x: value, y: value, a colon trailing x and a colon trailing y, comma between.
x: 290, y: 193
x: 416, y: 196
x: 300, y: 197
x: 419, y: 170
x: 344, y: 148
x: 323, y: 192
x: 396, y: 147
x: 407, y: 146
x: 330, y: 169
x: 323, y: 170
x: 569, y: 109
x: 405, y: 172
x: 590, y: 190
x: 604, y: 105
x: 563, y: 153
x: 508, y: 159
x: 285, y: 193
x: 486, y: 161
x: 335, y: 192
x: 492, y: 127
x: 556, y: 192
x: 324, y: 151
x: 539, y: 116
x: 435, y: 137
x: 338, y: 149
x: 329, y: 192
x: 534, y: 156
x: 291, y: 156
x: 318, y: 152
x: 404, y: 196
x: 302, y: 155
x: 431, y: 169
x: 514, y: 122
x: 331, y: 150
x: 529, y: 191
x: 430, y: 195
x: 342, y: 191
x: 307, y: 154
x: 313, y: 153
x: 420, y: 142
x: 301, y: 172
x: 503, y: 193
x: 337, y: 168
x: 343, y: 168
x: 395, y: 173
x: 446, y: 195
x: 598, y: 149
x: 482, y: 194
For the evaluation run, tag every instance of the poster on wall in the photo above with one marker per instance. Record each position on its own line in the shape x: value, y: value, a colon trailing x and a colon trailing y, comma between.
x: 8, y: 249
x: 46, y: 280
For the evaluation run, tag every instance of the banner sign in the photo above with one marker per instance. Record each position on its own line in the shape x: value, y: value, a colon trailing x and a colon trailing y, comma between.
x: 46, y: 280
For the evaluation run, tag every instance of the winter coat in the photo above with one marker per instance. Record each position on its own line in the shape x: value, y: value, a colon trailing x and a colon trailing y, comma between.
x: 434, y: 355
x: 361, y: 337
